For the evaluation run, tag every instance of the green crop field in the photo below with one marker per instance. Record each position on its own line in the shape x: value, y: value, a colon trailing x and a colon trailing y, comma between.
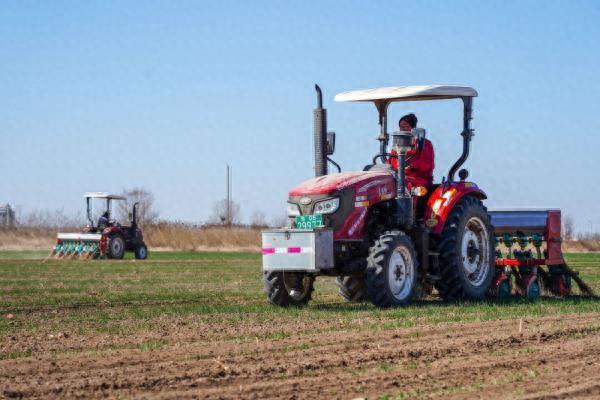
x: 189, y: 324
x: 131, y: 296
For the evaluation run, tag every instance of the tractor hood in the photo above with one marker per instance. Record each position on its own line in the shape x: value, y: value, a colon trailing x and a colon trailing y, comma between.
x: 332, y: 183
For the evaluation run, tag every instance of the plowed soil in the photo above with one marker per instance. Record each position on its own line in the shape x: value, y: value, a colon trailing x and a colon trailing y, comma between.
x: 535, y: 358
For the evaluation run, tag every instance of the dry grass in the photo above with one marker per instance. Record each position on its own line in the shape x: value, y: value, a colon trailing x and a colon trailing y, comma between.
x: 176, y: 237
x: 581, y: 246
x: 169, y: 236
x: 26, y: 239
x: 164, y: 236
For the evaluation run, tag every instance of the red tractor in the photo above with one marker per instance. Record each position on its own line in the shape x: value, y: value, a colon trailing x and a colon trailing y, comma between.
x: 103, y: 237
x: 390, y: 245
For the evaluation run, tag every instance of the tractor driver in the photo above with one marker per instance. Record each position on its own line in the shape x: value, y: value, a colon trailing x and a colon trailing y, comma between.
x: 420, y: 161
x: 103, y: 221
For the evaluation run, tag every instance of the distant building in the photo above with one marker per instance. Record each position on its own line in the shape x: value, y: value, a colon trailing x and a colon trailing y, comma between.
x: 7, y: 216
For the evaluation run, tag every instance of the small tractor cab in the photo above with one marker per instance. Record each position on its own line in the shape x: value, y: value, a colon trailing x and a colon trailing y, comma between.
x: 99, y: 211
x: 104, y: 236
x: 390, y: 245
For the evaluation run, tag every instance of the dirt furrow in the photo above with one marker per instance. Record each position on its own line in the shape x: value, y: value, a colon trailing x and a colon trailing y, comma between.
x: 479, y: 358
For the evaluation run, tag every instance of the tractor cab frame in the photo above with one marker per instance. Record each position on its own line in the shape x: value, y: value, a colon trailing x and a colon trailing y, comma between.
x: 109, y: 198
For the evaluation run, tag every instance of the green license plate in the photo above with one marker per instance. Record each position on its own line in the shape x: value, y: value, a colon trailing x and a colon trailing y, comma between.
x: 308, y: 222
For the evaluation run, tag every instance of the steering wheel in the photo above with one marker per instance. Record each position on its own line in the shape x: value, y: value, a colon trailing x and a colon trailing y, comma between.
x: 379, y: 155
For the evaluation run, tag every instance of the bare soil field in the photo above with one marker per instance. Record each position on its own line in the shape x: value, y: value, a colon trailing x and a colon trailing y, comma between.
x: 195, y: 325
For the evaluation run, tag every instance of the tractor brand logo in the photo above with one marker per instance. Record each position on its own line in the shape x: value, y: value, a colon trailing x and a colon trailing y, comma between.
x: 356, y: 223
x: 305, y: 201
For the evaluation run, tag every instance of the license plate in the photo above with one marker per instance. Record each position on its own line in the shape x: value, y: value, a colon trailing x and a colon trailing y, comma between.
x: 308, y: 222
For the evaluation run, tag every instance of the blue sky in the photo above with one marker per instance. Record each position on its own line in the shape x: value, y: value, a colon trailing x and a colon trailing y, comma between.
x: 106, y: 96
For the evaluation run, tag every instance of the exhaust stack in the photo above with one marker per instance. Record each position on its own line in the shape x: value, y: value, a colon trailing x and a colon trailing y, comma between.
x: 320, y: 135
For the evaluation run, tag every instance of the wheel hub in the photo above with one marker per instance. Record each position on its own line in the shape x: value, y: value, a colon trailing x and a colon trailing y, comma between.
x: 400, y: 274
x: 475, y: 250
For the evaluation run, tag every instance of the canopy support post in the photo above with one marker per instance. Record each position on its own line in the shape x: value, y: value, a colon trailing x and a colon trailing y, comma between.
x: 467, y: 134
x: 384, y: 137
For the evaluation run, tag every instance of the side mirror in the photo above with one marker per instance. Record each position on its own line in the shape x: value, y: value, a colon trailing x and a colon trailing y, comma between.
x: 330, y: 145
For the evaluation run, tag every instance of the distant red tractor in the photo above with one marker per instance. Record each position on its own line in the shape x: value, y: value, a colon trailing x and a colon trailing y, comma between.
x: 104, y: 237
x: 388, y: 244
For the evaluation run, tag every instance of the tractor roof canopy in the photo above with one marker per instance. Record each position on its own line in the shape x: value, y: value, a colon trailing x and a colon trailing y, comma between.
x: 103, y: 195
x: 408, y: 93
x: 382, y: 98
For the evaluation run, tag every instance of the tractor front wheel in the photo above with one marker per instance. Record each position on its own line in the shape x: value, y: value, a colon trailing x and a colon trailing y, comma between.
x: 141, y: 251
x: 286, y: 289
x: 392, y: 270
x: 116, y: 247
x: 466, y: 252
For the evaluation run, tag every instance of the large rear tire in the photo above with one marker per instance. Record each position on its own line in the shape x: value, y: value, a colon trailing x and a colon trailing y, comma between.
x: 352, y: 287
x: 286, y: 289
x: 116, y: 247
x: 466, y: 252
x: 392, y: 270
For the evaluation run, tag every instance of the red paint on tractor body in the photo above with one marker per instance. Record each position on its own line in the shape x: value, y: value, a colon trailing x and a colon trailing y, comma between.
x: 332, y: 183
x: 553, y: 239
x: 368, y: 189
x: 441, y: 202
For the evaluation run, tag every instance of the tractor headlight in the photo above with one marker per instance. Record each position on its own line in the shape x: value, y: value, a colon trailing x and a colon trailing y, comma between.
x: 293, y: 210
x: 327, y: 206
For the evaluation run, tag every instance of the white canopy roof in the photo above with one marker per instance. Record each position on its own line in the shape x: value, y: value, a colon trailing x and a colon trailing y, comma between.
x: 408, y: 93
x: 103, y: 195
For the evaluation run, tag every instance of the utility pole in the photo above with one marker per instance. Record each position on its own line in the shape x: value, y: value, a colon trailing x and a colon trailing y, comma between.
x: 229, y: 194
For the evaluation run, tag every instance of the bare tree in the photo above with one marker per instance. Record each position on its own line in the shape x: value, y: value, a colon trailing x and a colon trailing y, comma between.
x: 146, y: 212
x: 220, y: 214
x: 53, y: 219
x: 258, y: 219
x: 568, y: 228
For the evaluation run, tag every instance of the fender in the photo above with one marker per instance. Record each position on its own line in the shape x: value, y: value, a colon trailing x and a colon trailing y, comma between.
x: 110, y: 230
x: 442, y: 201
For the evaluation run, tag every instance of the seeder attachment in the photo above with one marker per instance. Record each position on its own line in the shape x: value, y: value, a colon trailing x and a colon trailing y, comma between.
x: 527, y: 241
x: 83, y: 246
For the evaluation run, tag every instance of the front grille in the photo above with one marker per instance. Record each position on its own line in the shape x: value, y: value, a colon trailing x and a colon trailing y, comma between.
x: 336, y: 219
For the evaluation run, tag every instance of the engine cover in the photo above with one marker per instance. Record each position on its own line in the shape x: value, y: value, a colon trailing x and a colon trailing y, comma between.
x: 357, y: 191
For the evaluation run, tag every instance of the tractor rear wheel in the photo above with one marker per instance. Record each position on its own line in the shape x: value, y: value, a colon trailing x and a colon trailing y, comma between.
x: 466, y: 252
x: 352, y: 287
x: 116, y: 247
x: 392, y: 270
x: 286, y: 289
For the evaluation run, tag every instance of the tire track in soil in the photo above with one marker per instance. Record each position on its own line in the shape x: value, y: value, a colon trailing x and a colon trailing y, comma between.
x: 554, y: 358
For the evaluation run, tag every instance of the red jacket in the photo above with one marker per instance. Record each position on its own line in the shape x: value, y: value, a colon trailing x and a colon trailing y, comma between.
x: 419, y: 165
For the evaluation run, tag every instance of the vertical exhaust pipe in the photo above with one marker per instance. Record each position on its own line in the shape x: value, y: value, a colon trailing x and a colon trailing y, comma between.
x: 320, y: 135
